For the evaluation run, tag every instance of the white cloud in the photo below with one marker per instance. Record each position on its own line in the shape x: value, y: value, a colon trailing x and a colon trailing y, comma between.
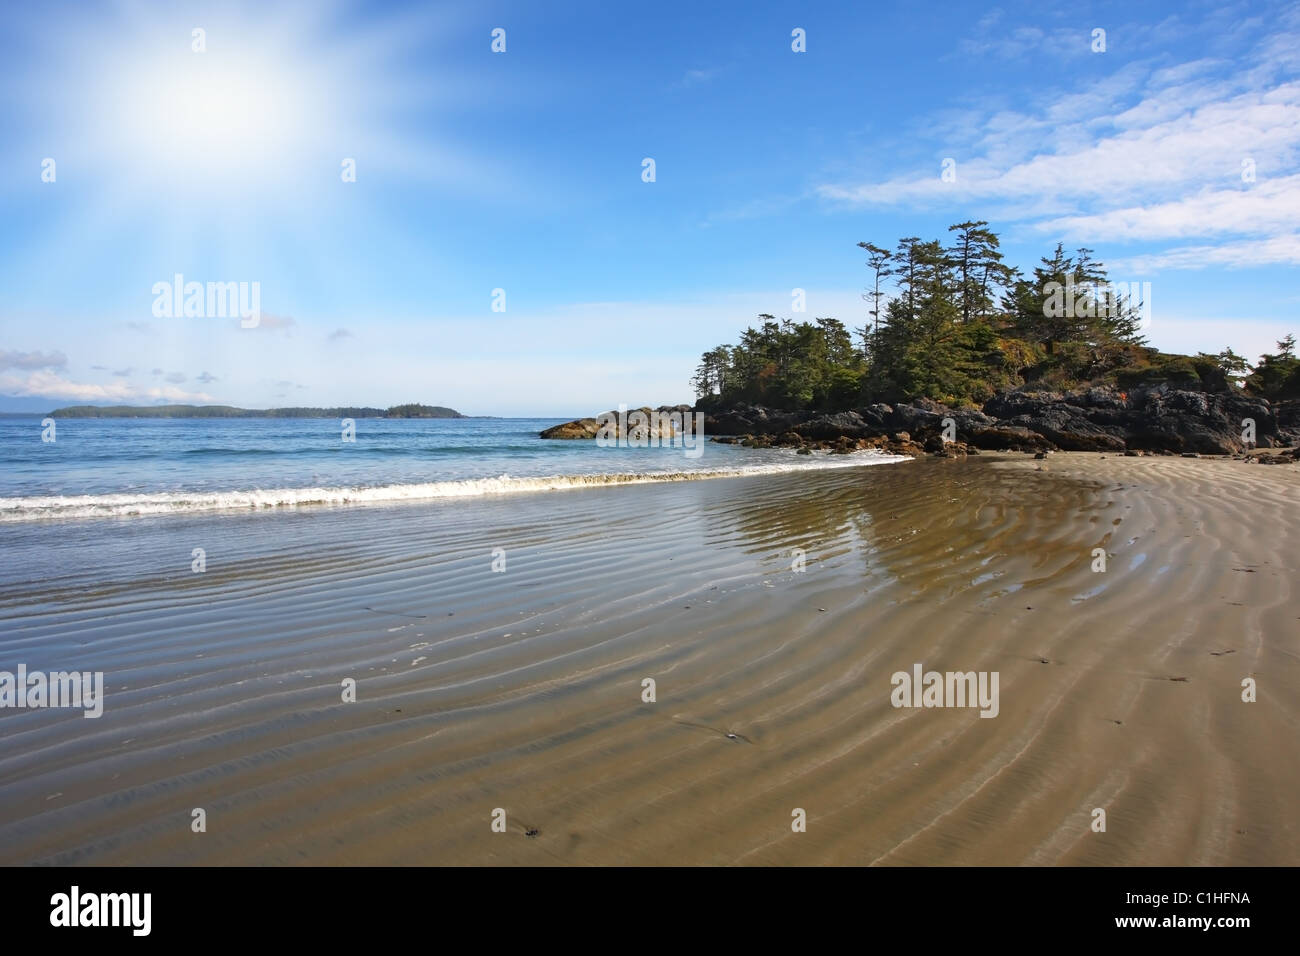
x: 1242, y: 254
x: 32, y: 360
x: 696, y: 77
x: 1152, y: 152
x: 1025, y: 40
x: 1268, y: 206
x: 270, y: 322
x: 45, y: 384
x: 1205, y: 144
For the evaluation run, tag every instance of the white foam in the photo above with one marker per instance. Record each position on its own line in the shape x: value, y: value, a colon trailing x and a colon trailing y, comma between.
x: 184, y: 502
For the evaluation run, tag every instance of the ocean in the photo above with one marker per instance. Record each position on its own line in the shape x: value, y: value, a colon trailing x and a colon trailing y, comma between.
x: 118, y: 468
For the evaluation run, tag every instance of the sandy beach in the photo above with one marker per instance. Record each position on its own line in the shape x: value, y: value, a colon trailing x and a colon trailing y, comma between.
x: 522, y: 689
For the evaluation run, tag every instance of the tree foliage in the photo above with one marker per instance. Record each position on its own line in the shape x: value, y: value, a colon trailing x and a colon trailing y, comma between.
x: 1277, y: 375
x: 950, y: 322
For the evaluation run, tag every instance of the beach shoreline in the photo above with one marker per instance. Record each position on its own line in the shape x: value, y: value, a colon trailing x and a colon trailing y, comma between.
x: 770, y: 611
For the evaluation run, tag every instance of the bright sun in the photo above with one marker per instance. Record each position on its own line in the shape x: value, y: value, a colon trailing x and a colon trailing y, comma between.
x: 244, y: 106
x: 271, y: 108
x: 204, y: 116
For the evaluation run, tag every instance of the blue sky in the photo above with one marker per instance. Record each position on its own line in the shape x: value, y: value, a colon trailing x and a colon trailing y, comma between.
x: 522, y: 171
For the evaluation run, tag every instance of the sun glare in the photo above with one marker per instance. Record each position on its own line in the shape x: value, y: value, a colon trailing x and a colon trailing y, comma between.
x: 265, y: 103
x: 203, y: 116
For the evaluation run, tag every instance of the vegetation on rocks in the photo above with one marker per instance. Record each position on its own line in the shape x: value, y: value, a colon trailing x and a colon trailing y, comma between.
x: 960, y: 327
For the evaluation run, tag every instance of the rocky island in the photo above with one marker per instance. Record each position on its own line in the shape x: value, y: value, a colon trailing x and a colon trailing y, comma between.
x: 968, y: 354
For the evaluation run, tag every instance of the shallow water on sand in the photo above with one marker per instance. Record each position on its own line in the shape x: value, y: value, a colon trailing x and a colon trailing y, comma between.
x: 521, y: 689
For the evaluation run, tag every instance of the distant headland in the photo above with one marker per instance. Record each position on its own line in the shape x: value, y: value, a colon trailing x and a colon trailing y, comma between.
x: 228, y: 411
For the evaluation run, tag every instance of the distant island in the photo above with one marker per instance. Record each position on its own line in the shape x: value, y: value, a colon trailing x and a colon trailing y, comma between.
x: 412, y: 410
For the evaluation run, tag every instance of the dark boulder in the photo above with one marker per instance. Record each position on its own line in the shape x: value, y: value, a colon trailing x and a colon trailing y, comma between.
x: 836, y: 425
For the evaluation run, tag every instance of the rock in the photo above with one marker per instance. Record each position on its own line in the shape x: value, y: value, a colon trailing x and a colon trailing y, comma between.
x: 846, y: 424
x: 908, y: 448
x: 1007, y: 437
x: 969, y: 421
x: 922, y: 414
x: 1159, y: 419
x: 657, y: 425
x: 1063, y: 424
x: 876, y: 417
x: 1020, y: 402
x: 582, y: 428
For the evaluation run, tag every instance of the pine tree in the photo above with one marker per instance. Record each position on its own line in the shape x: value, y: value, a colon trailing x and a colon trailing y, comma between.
x: 879, y: 262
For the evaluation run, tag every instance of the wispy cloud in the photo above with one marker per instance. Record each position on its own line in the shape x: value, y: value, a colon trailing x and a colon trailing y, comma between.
x: 1269, y: 206
x: 1241, y: 254
x: 1198, y: 146
x: 697, y: 77
x: 1153, y: 152
x: 271, y: 322
x: 32, y: 360
x: 991, y: 41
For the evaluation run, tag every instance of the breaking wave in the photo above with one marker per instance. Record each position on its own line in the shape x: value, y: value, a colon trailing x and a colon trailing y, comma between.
x: 185, y: 502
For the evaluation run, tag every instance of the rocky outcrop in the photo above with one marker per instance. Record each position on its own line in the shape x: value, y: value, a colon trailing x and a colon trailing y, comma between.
x: 581, y: 428
x: 655, y: 423
x: 1160, y: 418
x: 1155, y: 419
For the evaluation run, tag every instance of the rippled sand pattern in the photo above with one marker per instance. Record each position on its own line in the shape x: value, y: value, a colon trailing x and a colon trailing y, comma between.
x: 522, y: 690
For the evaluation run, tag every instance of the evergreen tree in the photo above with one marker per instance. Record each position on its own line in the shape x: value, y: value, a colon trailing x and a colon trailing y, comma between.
x: 879, y: 262
x: 958, y: 325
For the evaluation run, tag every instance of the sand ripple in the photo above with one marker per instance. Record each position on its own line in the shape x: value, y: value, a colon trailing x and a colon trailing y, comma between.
x: 522, y: 690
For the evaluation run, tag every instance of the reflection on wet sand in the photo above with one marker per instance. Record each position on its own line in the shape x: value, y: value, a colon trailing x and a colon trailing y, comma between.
x: 523, y: 690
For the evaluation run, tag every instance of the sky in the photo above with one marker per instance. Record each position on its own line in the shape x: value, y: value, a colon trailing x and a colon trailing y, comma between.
x: 501, y: 247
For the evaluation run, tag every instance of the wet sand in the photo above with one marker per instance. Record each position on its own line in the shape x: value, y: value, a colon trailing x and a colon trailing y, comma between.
x: 522, y: 689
